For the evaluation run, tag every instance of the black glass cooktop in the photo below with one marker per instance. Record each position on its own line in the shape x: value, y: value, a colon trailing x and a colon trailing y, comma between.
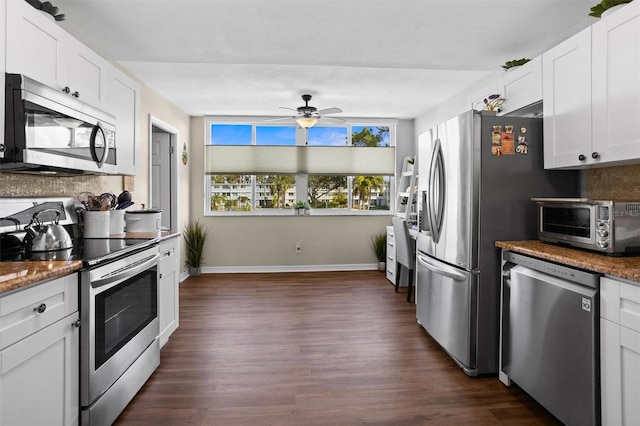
x: 91, y: 251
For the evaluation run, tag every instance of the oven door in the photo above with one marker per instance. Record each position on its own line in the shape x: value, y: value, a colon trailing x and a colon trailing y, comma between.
x: 119, y: 313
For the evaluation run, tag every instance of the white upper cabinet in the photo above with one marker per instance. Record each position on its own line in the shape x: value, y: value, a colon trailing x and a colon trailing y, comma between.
x: 124, y: 104
x: 521, y: 86
x: 591, y: 88
x: 566, y: 73
x: 616, y: 85
x: 37, y: 47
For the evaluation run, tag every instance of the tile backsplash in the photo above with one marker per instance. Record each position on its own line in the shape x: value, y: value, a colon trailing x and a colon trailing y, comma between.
x: 26, y: 185
x: 621, y: 183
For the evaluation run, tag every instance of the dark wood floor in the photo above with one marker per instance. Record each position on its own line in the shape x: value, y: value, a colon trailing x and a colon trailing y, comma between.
x: 313, y: 349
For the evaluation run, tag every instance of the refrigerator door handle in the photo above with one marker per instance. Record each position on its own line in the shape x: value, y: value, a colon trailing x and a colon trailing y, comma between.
x: 425, y: 224
x: 447, y: 272
x: 435, y: 216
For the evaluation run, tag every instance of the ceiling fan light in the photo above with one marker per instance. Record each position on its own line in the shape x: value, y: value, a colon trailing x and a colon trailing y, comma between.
x: 306, y: 122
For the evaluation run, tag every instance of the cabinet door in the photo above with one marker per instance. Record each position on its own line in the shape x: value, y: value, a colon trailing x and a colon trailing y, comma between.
x: 616, y: 85
x: 35, y: 45
x: 566, y: 77
x: 39, y: 377
x: 87, y: 74
x: 168, y: 299
x: 620, y: 363
x: 124, y: 103
x: 522, y: 86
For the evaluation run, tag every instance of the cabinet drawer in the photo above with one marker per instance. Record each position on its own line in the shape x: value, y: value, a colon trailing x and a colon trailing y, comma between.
x: 168, y: 249
x: 35, y: 307
x: 620, y: 303
x: 391, y: 275
x: 630, y: 306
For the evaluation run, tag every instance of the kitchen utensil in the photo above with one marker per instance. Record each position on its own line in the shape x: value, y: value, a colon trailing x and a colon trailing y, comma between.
x: 107, y: 201
x: 143, y: 220
x: 42, y: 238
x: 124, y: 197
x: 124, y: 205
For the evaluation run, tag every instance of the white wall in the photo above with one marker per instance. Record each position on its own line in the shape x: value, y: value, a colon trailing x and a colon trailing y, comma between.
x: 468, y: 98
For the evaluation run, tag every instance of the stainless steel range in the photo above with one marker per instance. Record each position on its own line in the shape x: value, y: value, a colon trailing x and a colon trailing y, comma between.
x: 118, y: 287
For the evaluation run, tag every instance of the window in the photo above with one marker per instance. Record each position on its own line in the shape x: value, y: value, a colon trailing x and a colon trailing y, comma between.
x: 255, y: 169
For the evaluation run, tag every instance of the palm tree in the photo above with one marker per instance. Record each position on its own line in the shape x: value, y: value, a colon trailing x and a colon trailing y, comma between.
x: 218, y: 201
x: 362, y: 187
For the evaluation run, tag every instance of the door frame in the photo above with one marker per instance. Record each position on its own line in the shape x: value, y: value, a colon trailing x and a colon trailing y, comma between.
x: 173, y: 143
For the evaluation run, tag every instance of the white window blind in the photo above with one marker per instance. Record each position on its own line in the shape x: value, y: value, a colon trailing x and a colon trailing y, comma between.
x: 313, y: 160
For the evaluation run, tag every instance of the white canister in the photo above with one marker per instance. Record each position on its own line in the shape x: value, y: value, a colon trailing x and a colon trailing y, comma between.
x: 143, y: 220
x: 96, y: 224
x: 116, y: 222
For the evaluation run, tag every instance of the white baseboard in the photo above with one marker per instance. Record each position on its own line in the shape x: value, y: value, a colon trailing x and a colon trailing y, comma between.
x: 288, y: 268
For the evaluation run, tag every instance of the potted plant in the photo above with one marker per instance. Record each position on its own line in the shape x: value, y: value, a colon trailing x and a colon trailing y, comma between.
x: 194, y: 236
x: 379, y: 246
x: 515, y: 63
x: 301, y: 208
x: 597, y: 10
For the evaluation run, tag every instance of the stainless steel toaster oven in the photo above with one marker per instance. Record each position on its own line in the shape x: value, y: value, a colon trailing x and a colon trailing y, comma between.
x: 610, y: 227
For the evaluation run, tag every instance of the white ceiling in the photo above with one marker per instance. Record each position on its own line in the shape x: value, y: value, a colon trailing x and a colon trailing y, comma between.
x: 371, y: 58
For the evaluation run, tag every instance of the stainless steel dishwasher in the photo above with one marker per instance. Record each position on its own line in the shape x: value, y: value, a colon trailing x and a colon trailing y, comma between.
x: 549, y: 336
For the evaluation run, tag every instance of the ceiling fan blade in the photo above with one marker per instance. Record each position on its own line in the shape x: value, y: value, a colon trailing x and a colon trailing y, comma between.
x: 333, y: 110
x: 334, y: 119
x: 280, y: 119
x: 290, y: 109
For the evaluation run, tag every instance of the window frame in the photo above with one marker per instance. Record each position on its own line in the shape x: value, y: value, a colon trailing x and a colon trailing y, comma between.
x: 300, y: 179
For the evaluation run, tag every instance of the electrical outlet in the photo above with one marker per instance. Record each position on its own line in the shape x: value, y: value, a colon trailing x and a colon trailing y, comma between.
x: 299, y: 248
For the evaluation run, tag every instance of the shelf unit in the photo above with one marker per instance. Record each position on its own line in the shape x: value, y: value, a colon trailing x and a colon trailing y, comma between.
x: 406, y: 201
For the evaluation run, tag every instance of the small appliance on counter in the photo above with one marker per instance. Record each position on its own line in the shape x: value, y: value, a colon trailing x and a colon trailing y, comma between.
x: 609, y: 227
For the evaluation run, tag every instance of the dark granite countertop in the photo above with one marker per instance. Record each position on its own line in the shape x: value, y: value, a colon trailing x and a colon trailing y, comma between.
x: 622, y: 267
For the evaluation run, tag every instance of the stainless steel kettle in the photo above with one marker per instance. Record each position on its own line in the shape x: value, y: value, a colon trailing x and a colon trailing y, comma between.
x: 41, y: 237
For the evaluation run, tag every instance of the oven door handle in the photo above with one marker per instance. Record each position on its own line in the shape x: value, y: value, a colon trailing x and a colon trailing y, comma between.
x: 118, y: 276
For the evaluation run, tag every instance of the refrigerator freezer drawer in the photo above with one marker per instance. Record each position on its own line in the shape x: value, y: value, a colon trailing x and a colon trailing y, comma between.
x: 446, y: 308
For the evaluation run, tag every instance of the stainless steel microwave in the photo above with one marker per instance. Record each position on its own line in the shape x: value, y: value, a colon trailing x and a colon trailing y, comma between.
x: 47, y: 130
x: 609, y: 227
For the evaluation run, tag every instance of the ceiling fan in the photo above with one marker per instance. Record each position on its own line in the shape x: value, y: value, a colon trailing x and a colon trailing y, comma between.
x: 307, y: 115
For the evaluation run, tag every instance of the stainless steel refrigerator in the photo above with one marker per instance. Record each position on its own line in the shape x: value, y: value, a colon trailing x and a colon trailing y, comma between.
x: 478, y: 173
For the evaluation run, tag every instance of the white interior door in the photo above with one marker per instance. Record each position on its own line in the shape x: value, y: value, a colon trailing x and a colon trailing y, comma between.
x: 161, y: 175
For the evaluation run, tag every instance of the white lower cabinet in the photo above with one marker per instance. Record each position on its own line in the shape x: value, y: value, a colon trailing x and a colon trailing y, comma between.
x: 39, y: 372
x: 168, y: 280
x: 391, y: 256
x: 620, y: 351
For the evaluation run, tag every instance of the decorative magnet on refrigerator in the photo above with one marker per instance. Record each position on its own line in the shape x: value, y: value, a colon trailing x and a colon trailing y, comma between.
x: 523, y: 146
x: 508, y: 146
x: 496, y: 141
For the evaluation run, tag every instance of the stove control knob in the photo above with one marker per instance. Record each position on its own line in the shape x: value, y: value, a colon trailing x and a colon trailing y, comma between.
x: 603, y: 232
x: 603, y: 244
